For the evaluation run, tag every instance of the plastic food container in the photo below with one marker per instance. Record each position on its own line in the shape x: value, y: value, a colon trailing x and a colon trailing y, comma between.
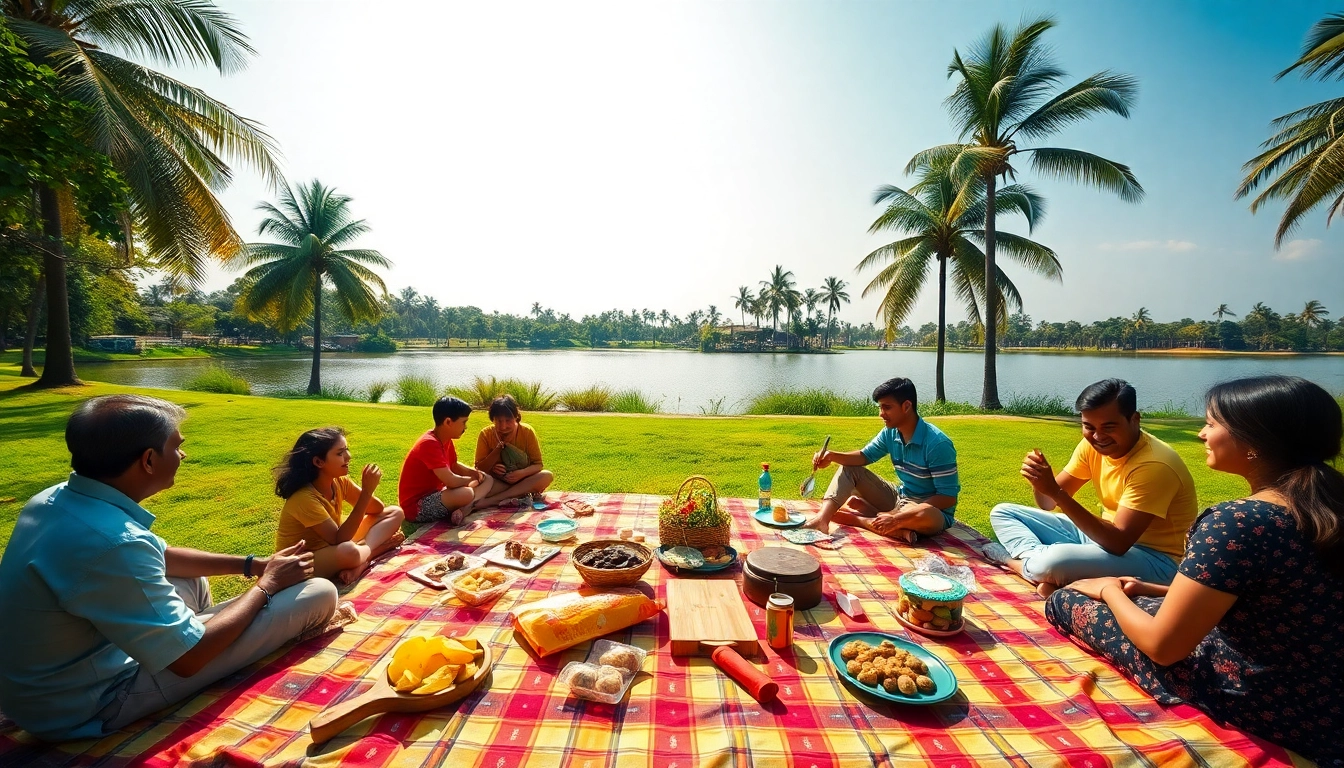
x: 475, y: 597
x: 931, y: 601
x: 557, y: 529
x: 592, y: 667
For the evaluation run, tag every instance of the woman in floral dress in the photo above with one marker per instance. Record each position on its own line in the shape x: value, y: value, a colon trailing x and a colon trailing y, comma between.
x: 1252, y: 628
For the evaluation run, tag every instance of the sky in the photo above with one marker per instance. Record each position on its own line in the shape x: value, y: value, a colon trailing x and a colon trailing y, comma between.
x: 591, y: 155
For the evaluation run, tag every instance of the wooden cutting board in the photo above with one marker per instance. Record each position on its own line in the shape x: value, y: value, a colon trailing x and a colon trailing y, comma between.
x: 706, y: 613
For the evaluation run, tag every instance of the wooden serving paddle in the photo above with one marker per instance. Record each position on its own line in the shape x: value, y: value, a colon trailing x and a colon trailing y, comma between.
x: 382, y: 697
x: 703, y: 614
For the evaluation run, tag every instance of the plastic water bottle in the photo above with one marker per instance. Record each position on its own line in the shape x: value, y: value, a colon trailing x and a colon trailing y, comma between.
x: 763, y: 501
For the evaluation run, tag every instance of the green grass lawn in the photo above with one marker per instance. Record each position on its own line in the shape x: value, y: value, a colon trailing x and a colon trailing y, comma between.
x: 223, y: 500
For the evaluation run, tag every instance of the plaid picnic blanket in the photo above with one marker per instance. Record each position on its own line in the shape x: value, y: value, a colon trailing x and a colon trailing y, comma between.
x: 1028, y: 697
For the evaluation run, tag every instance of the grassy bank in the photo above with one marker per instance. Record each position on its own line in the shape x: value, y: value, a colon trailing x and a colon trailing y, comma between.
x: 223, y: 498
x: 15, y: 356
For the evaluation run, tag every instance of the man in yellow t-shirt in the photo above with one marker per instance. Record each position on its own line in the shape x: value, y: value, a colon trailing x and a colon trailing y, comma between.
x: 1147, y: 496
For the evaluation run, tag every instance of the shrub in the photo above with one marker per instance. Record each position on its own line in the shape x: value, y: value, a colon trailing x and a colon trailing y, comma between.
x: 376, y: 391
x: 339, y: 392
x: 531, y: 396
x: 594, y: 399
x: 1037, y: 405
x: 376, y: 342
x: 948, y: 408
x: 416, y: 390
x: 1167, y: 410
x: 217, y: 379
x: 811, y: 401
x: 633, y: 401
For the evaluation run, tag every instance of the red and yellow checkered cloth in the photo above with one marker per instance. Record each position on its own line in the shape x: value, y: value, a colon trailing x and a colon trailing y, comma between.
x: 1028, y: 697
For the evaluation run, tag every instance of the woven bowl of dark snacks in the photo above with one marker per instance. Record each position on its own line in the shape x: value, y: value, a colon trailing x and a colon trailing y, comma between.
x: 611, y: 562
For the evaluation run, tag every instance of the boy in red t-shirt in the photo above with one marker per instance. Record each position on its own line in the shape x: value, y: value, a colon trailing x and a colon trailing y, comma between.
x: 434, y: 484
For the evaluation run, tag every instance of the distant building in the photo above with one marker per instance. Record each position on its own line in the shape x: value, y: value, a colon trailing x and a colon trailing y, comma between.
x: 113, y: 343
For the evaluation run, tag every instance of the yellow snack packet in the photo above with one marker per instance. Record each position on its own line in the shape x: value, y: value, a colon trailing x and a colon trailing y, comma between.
x: 567, y: 619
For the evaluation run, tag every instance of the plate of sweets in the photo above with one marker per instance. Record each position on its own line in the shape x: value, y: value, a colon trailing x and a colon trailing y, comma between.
x: 931, y: 604
x: 780, y: 516
x: 436, y: 572
x: 890, y: 668
x: 524, y: 557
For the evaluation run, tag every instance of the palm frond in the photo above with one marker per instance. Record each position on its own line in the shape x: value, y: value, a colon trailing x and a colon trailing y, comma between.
x: 939, y: 155
x: 1076, y: 165
x: 1034, y: 256
x: 902, y: 281
x: 890, y: 252
x: 365, y: 256
x: 1102, y: 92
x: 174, y: 32
x: 1323, y: 51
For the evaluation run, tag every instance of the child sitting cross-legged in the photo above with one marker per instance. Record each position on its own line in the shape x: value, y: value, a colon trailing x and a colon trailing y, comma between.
x: 314, y: 481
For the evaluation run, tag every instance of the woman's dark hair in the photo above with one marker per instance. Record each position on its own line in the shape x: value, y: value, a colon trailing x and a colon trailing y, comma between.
x: 450, y: 409
x: 504, y: 406
x: 1108, y: 391
x: 297, y: 469
x: 1294, y: 426
x: 899, y: 389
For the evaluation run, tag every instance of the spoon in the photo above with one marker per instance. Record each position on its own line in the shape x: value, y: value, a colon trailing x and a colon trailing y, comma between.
x: 810, y: 484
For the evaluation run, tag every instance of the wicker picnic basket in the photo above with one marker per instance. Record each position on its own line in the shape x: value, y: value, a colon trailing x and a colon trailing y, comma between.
x: 612, y: 577
x: 671, y: 535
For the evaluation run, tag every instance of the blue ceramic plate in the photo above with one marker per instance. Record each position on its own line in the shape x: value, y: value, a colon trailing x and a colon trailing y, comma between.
x: 944, y: 681
x: 767, y: 517
x: 706, y: 568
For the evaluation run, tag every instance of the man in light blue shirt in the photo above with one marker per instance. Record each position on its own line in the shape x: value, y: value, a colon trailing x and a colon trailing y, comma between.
x: 115, y: 624
x: 925, y: 461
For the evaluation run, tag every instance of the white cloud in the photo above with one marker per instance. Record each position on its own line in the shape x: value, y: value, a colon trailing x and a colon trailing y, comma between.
x: 1173, y: 246
x: 1298, y: 250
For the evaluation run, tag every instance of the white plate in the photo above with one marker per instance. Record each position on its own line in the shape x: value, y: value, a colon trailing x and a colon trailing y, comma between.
x: 543, y: 552
x: 468, y: 562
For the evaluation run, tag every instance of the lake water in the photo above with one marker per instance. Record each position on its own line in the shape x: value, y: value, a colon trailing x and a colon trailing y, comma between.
x: 687, y: 381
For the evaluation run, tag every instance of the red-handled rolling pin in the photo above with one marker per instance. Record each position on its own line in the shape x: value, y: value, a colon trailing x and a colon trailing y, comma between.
x: 761, y: 688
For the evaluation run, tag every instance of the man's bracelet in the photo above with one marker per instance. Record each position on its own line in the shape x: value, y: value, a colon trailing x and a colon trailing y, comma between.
x: 264, y: 592
x: 247, y: 566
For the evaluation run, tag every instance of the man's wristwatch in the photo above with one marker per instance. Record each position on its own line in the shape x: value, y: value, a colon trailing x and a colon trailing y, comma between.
x: 247, y: 566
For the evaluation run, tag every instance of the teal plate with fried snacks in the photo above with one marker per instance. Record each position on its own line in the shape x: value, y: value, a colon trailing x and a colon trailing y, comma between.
x: 706, y: 568
x: 945, y: 683
x: 767, y: 517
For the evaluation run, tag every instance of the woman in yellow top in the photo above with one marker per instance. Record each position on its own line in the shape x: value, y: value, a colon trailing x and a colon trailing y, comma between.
x: 314, y: 481
x: 508, y: 450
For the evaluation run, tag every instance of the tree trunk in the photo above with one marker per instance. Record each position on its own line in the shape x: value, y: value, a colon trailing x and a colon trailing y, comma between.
x: 59, y: 368
x: 315, y: 380
x: 941, y: 395
x: 4, y: 326
x: 989, y: 398
x: 34, y: 315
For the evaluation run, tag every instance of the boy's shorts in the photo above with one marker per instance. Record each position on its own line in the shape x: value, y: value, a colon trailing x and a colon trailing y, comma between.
x: 432, y: 509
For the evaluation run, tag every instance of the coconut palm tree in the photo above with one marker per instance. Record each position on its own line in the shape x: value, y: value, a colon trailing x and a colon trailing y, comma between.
x: 1141, y: 320
x: 1303, y: 161
x: 942, y: 223
x: 287, y: 278
x: 779, y: 293
x: 832, y: 295
x: 1223, y: 311
x: 168, y: 140
x: 1003, y: 99
x: 742, y: 301
x: 1313, y: 314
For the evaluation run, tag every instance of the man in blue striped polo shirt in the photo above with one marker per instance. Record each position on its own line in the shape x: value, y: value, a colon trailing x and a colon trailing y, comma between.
x: 925, y: 501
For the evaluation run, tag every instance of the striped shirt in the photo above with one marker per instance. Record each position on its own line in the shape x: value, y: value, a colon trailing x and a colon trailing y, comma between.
x: 926, y: 466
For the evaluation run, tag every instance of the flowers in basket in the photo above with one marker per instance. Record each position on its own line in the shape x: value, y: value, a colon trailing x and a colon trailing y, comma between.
x: 698, y: 508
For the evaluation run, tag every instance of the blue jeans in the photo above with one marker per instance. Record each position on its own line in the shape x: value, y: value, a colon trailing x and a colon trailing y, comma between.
x: 1052, y: 549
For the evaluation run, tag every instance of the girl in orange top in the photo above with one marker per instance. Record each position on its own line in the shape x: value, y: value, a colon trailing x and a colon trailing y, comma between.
x: 314, y: 481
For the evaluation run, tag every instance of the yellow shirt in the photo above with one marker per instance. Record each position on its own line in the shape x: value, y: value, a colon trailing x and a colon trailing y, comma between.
x: 308, y: 508
x: 488, y: 446
x: 1151, y: 479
